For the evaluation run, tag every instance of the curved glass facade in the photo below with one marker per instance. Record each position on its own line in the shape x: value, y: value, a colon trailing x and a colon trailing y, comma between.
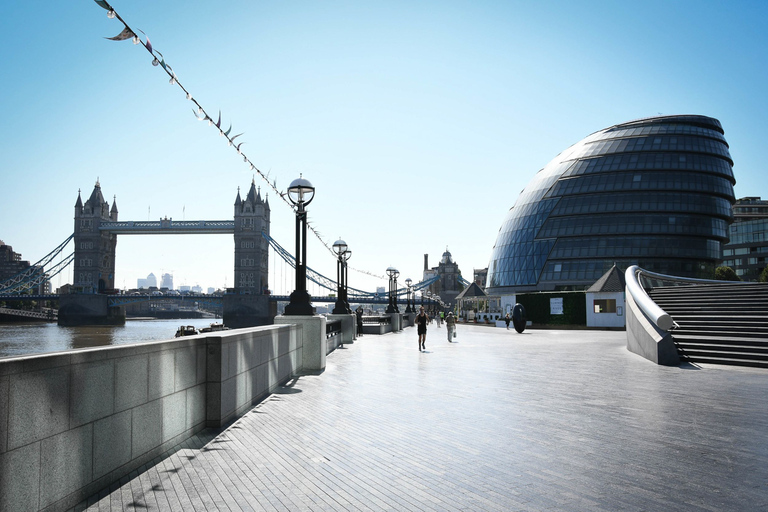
x: 656, y: 192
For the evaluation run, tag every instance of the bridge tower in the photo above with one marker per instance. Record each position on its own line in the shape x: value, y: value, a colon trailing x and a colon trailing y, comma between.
x: 94, y: 270
x: 94, y: 249
x: 251, y: 249
x: 247, y: 304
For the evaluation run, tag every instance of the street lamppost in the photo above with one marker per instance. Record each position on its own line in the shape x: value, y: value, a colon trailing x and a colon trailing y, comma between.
x: 300, y: 192
x: 392, y: 272
x: 343, y: 254
x: 408, y: 300
x: 347, y: 254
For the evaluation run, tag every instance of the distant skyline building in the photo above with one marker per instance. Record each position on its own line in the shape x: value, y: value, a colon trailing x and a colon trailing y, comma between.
x: 448, y: 286
x: 480, y: 276
x: 149, y: 282
x: 747, y: 251
x: 11, y: 264
x: 166, y: 281
x: 655, y: 192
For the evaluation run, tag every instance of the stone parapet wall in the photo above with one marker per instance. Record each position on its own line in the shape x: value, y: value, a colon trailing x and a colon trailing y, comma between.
x: 71, y: 423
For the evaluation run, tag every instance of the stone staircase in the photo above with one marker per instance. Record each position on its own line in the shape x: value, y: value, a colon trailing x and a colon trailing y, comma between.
x: 719, y: 323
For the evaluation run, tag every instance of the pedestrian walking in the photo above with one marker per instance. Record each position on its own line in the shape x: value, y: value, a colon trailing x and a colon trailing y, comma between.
x: 421, y: 328
x: 359, y: 314
x: 450, y: 326
x: 506, y: 320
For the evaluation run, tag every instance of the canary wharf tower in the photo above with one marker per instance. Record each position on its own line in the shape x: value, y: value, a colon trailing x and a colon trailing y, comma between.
x: 655, y: 192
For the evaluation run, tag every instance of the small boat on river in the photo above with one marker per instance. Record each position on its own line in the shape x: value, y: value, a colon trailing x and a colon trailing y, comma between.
x: 186, y: 330
x: 214, y: 328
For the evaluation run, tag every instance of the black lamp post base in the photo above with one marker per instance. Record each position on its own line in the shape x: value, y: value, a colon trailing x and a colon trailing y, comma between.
x: 299, y: 305
x: 340, y: 308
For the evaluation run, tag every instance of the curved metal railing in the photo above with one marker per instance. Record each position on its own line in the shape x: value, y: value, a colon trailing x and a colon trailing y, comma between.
x: 654, y: 313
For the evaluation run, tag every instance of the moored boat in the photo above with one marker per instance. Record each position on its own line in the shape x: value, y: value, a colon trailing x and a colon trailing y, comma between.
x: 214, y: 328
x: 186, y: 330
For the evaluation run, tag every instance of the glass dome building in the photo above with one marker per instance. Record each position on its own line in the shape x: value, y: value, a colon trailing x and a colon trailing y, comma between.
x: 655, y: 192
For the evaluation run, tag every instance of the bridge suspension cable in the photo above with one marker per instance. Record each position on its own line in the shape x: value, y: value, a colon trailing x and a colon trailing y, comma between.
x: 330, y: 284
x: 36, y: 274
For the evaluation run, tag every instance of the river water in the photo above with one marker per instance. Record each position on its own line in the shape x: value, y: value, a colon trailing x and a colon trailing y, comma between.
x: 41, y: 337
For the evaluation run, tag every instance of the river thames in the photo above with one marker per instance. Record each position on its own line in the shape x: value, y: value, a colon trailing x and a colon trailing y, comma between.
x: 40, y: 337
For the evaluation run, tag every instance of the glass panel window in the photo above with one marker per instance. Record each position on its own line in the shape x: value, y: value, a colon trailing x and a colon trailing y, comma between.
x: 605, y: 305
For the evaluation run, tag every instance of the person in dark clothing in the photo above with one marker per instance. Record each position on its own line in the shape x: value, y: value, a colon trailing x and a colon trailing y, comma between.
x: 421, y: 326
x: 359, y: 314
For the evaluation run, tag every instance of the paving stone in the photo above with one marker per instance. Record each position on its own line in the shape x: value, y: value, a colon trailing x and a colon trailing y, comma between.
x: 544, y: 420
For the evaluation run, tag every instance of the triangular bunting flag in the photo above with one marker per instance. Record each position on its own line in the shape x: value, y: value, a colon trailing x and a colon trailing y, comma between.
x: 122, y: 36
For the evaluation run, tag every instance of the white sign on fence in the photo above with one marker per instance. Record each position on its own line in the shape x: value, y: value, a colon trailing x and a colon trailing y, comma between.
x: 556, y: 306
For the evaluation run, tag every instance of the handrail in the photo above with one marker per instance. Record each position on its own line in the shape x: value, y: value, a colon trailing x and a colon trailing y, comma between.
x: 654, y: 313
x: 692, y: 280
x: 646, y: 304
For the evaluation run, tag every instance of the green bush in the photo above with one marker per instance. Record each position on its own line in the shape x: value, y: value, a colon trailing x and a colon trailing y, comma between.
x: 726, y: 274
x: 764, y: 275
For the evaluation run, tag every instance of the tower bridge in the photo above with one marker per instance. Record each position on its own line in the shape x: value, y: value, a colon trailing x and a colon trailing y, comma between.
x: 93, y: 299
x: 97, y: 227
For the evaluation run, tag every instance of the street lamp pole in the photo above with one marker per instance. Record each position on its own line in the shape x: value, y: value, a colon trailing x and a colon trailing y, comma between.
x: 392, y: 272
x: 300, y: 193
x: 347, y: 254
x: 341, y: 249
x: 408, y: 300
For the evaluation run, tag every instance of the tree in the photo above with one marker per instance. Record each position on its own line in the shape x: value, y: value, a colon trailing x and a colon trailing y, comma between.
x: 726, y: 274
x: 764, y: 275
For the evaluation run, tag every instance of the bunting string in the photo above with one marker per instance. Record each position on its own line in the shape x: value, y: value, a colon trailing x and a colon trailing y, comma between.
x: 158, y: 59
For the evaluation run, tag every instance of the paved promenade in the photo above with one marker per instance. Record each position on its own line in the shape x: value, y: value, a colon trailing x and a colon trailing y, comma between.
x: 544, y: 420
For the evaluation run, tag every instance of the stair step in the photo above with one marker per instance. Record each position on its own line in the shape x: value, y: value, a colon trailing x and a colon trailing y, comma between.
x: 719, y: 348
x: 715, y: 338
x: 706, y: 300
x: 726, y: 356
x: 730, y: 318
x: 720, y: 335
x: 721, y: 323
x: 726, y: 361
x: 714, y: 310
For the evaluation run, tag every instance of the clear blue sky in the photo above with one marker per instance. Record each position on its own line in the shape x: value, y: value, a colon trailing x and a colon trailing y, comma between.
x: 418, y: 122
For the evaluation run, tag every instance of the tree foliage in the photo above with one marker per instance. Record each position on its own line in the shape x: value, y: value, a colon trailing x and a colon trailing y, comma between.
x: 764, y: 275
x: 726, y: 274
